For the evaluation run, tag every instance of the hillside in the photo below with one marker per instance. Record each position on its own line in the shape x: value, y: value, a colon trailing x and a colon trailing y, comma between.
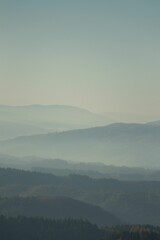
x: 61, y: 167
x: 131, y: 202
x: 56, y: 208
x: 117, y: 144
x: 154, y: 122
x: 21, y: 227
x: 35, y: 228
x: 36, y: 119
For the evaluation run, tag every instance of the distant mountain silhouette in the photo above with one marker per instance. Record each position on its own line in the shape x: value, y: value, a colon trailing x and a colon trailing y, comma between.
x: 119, y: 144
x: 154, y: 122
x: 61, y: 167
x: 35, y: 119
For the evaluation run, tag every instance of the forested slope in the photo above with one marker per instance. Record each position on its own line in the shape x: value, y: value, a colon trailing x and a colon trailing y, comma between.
x: 132, y: 202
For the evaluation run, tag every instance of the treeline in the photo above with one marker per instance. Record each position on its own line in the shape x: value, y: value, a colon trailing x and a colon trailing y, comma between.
x: 56, y: 208
x: 96, y: 170
x: 45, y: 229
x: 17, y: 176
x: 133, y: 232
x: 69, y: 229
x: 131, y: 202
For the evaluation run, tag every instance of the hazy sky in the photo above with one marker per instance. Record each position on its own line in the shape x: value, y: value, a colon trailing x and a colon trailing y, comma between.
x: 103, y: 55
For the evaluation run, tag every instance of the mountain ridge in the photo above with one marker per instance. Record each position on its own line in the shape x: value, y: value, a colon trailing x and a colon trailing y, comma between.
x: 56, y: 207
x: 119, y: 143
x: 42, y: 119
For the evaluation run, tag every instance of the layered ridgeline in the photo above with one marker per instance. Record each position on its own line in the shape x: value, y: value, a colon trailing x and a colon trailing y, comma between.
x: 116, y: 144
x: 131, y: 202
x: 56, y: 208
x: 36, y: 119
x: 61, y: 167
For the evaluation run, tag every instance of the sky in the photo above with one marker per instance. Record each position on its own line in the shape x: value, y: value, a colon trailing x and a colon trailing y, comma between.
x: 102, y: 55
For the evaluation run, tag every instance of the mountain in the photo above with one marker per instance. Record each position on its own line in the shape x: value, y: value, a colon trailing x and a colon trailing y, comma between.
x: 56, y: 208
x: 154, y: 123
x: 132, y: 202
x: 61, y: 167
x: 35, y: 119
x: 134, y: 145
x: 10, y: 129
x: 130, y: 117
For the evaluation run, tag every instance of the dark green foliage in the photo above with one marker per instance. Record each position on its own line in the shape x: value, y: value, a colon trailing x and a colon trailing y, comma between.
x: 131, y: 202
x: 133, y: 232
x: 56, y: 208
x: 69, y: 229
x: 44, y: 229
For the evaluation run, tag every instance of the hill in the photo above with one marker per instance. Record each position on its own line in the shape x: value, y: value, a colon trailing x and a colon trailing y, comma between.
x: 131, y: 202
x: 56, y: 208
x: 36, y: 119
x: 61, y: 167
x: 135, y: 145
x: 154, y: 122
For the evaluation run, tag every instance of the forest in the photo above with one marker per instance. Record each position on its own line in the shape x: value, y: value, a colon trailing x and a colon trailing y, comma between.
x: 68, y: 229
x: 131, y: 202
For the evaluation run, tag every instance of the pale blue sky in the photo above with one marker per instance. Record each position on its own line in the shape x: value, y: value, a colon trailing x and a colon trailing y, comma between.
x: 103, y: 55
